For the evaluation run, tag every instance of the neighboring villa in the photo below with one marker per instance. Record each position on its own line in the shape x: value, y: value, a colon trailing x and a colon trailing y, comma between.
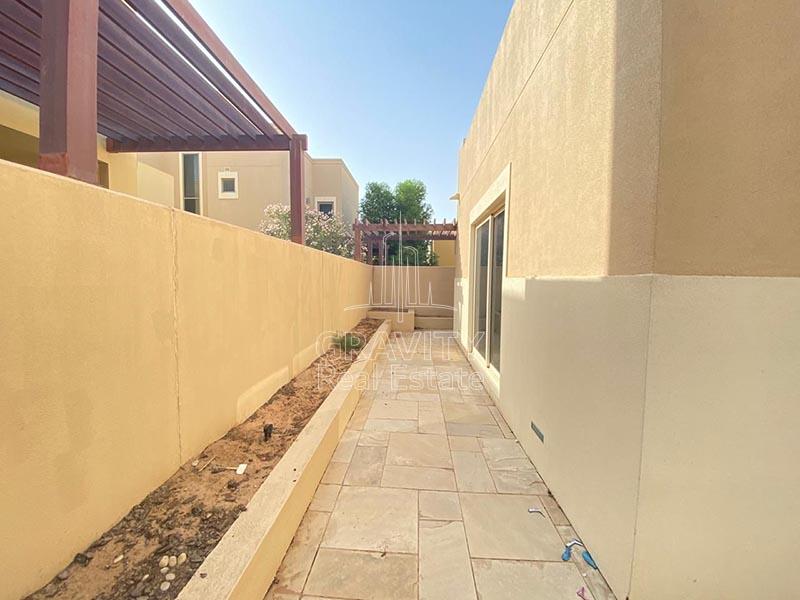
x: 233, y: 187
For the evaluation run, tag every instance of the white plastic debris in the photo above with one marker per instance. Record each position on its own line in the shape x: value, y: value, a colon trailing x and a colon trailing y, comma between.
x: 241, y: 469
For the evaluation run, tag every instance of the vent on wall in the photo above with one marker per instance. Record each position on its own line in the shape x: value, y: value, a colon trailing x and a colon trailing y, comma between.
x: 539, y: 433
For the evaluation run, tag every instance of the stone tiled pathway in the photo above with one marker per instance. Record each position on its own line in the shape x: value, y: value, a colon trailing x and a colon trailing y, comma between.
x: 427, y: 496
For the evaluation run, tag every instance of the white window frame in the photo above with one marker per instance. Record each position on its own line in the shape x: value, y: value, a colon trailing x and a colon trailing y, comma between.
x: 199, y: 178
x: 228, y: 174
x: 324, y: 199
x: 499, y: 207
x: 496, y: 199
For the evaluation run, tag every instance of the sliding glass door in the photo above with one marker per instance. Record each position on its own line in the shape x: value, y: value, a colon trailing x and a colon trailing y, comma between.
x: 488, y: 287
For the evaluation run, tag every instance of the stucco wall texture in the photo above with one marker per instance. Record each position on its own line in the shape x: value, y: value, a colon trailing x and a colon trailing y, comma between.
x: 651, y: 299
x: 643, y: 138
x: 133, y: 335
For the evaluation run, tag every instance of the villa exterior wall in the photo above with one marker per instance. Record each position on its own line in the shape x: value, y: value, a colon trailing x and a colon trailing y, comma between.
x: 22, y: 147
x: 263, y: 180
x: 133, y: 335
x: 646, y: 155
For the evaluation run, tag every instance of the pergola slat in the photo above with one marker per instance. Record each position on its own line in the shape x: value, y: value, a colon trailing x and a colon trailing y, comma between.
x: 110, y: 83
x: 133, y: 37
x: 115, y: 82
x: 18, y: 51
x: 154, y: 87
x: 170, y: 30
x: 186, y: 13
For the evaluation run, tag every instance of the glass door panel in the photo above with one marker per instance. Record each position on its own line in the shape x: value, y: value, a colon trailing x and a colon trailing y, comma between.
x: 481, y: 290
x: 496, y: 300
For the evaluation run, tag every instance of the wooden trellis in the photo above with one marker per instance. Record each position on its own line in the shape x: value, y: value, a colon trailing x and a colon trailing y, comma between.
x: 375, y: 235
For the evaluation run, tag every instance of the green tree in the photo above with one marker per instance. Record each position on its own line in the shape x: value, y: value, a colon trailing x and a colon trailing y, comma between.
x: 408, y: 201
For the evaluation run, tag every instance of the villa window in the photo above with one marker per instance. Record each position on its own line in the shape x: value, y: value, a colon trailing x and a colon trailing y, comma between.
x: 488, y: 287
x: 228, y: 185
x: 190, y: 180
x: 326, y: 205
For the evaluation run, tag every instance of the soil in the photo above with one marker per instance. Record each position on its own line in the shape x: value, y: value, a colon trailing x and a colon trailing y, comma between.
x: 185, y: 518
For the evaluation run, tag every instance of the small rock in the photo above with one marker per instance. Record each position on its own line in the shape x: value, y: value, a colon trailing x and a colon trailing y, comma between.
x: 119, y: 558
x: 63, y: 575
x: 82, y: 559
x: 169, y: 576
x: 203, y: 575
x: 146, y: 577
x: 164, y: 570
x: 173, y: 560
x: 164, y: 561
x: 233, y: 484
x: 50, y: 590
x: 164, y: 586
x: 182, y: 558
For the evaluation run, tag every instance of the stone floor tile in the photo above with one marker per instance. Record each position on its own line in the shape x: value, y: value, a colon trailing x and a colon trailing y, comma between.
x: 504, y: 455
x: 363, y: 575
x: 393, y: 409
x: 418, y: 450
x: 390, y: 425
x: 439, y: 506
x: 522, y: 481
x: 371, y: 518
x: 445, y: 571
x: 335, y: 472
x: 366, y: 466
x: 418, y: 478
x: 476, y: 399
x: 501, y: 422
x: 467, y: 414
x: 507, y: 579
x: 466, y: 429
x: 500, y: 526
x: 460, y: 443
x: 347, y: 445
x: 431, y: 419
x: 418, y: 396
x: 450, y: 395
x: 472, y: 475
x: 296, y: 564
x: 374, y: 438
x: 325, y: 497
x: 554, y: 510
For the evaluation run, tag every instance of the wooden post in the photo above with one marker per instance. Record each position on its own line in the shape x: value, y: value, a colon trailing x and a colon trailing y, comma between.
x: 357, y: 241
x: 382, y: 251
x: 297, y: 192
x: 68, y: 89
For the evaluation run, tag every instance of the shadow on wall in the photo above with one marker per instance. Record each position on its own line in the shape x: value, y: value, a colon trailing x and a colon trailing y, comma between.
x: 635, y: 138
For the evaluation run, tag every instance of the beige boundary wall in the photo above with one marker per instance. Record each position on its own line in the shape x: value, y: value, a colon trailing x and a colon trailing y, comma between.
x: 646, y: 154
x: 426, y: 289
x: 132, y: 336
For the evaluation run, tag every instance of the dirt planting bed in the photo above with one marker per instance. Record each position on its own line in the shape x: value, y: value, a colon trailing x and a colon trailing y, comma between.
x: 157, y: 547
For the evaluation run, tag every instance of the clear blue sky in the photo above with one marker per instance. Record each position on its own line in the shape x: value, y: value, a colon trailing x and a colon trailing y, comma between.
x: 390, y: 86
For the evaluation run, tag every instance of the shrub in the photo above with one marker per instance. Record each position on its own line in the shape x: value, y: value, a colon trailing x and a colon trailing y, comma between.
x: 323, y: 232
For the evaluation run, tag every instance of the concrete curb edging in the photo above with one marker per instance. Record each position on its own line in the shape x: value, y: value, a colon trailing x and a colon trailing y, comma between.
x: 244, y: 563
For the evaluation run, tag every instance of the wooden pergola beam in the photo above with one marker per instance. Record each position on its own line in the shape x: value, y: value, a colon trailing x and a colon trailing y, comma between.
x: 68, y: 89
x: 203, y: 144
x: 297, y: 201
